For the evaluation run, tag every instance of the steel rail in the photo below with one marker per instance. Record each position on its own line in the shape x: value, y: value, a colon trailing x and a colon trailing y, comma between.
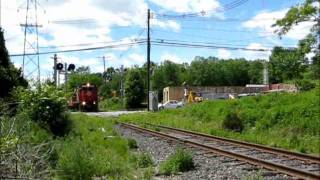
x: 277, y: 151
x: 255, y: 161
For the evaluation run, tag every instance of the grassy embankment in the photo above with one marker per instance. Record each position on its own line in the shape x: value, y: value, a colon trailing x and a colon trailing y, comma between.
x: 92, y: 149
x: 111, y: 104
x: 285, y: 120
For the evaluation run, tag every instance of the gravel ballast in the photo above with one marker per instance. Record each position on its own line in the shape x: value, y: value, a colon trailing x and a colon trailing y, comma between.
x: 208, y: 165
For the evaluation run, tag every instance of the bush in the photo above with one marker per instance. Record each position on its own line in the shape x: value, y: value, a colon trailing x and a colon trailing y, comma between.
x: 111, y: 104
x: 132, y: 143
x: 144, y: 160
x: 134, y: 89
x: 232, y: 122
x: 47, y: 107
x: 305, y: 85
x: 180, y: 161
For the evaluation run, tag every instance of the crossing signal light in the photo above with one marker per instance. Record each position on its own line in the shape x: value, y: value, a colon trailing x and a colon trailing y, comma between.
x: 59, y: 66
x: 71, y: 67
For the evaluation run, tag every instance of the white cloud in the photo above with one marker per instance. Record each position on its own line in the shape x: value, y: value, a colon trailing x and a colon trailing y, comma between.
x: 188, y: 5
x: 171, y: 57
x: 253, y: 55
x: 166, y: 24
x: 263, y: 21
x: 223, y: 53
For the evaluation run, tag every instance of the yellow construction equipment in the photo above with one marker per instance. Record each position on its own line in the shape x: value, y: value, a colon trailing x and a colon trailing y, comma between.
x: 194, y: 97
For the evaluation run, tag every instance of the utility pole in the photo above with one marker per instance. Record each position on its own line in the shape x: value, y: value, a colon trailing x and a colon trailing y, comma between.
x: 0, y: 13
x: 55, y: 60
x: 121, y: 84
x: 30, y: 62
x: 148, y: 59
x: 65, y: 77
x: 104, y: 68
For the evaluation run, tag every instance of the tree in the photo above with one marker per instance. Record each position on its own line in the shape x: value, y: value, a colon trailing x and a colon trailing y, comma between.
x: 167, y: 74
x: 83, y: 70
x: 10, y: 77
x: 307, y: 11
x: 134, y: 89
x: 286, y: 64
x: 77, y: 79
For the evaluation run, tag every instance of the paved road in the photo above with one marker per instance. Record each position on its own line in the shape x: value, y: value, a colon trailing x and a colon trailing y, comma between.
x: 110, y: 114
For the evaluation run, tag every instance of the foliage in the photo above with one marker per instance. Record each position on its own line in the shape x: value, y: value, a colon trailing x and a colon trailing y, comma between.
x: 77, y: 79
x: 132, y: 143
x: 134, y: 89
x: 180, y: 161
x: 144, y: 160
x: 111, y: 104
x: 10, y: 77
x: 297, y: 14
x: 305, y: 85
x: 93, y: 149
x: 46, y: 106
x: 232, y: 122
x: 167, y: 74
x: 285, y: 120
x: 285, y: 64
x: 216, y: 72
x: 305, y: 12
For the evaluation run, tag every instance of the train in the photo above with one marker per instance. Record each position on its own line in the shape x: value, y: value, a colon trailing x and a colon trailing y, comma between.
x: 85, y: 98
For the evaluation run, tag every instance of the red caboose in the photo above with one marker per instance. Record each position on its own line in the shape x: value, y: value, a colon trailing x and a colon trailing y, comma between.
x: 85, y: 98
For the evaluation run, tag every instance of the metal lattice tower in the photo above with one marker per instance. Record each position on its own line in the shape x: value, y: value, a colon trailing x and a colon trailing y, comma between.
x: 30, y: 63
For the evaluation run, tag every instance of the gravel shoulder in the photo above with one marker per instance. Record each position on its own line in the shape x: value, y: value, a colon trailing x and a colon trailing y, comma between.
x: 208, y: 165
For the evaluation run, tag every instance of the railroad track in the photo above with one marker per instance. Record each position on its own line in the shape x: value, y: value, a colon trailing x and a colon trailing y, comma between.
x: 291, y: 163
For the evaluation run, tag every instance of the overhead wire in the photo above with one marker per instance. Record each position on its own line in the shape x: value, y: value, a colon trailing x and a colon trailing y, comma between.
x: 82, y: 49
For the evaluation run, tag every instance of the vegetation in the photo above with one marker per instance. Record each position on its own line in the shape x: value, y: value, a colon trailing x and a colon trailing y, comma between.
x: 10, y: 77
x: 285, y: 120
x: 132, y: 143
x: 93, y: 149
x: 286, y: 64
x: 144, y: 160
x: 180, y: 161
x: 111, y: 104
x: 46, y: 106
x: 79, y: 77
x: 306, y: 11
x: 134, y: 89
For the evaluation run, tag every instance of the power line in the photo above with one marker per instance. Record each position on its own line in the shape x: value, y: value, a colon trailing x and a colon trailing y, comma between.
x: 84, y: 49
x: 226, y: 7
x: 210, y: 37
x: 86, y: 44
x: 213, y: 43
x: 191, y: 45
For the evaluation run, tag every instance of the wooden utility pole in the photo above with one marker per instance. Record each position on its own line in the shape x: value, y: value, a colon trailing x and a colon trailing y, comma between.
x: 55, y: 60
x: 148, y: 59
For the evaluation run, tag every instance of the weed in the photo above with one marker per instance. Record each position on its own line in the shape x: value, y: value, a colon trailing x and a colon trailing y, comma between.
x: 180, y: 161
x: 132, y: 143
x: 233, y: 122
x: 144, y: 160
x: 148, y: 173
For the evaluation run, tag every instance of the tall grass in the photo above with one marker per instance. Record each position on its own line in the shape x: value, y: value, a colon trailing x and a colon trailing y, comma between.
x: 93, y: 149
x: 285, y: 120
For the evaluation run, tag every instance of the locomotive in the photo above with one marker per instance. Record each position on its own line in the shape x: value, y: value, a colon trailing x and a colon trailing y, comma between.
x: 85, y: 98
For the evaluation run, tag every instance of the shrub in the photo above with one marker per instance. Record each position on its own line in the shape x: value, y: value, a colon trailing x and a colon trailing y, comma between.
x: 134, y: 89
x: 233, y: 122
x: 46, y: 106
x: 180, y: 161
x: 132, y: 143
x: 144, y: 160
x: 114, y: 103
x: 305, y: 85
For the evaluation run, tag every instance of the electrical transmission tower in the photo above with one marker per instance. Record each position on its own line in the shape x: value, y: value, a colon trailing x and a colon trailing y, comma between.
x: 30, y: 63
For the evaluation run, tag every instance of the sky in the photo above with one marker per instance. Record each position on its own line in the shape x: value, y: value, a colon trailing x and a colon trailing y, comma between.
x: 121, y: 24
